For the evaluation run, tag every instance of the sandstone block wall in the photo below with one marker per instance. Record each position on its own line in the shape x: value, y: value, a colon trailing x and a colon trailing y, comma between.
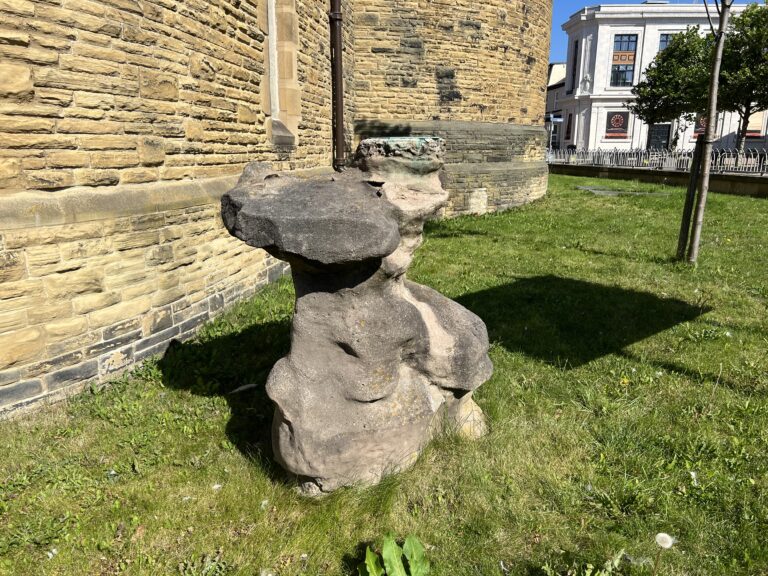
x: 473, y: 73
x: 123, y: 121
x: 108, y: 92
x: 488, y: 166
x: 86, y: 295
x: 452, y: 60
x: 119, y: 120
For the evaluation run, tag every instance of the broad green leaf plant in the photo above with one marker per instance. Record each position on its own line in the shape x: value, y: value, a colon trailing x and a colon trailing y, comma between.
x: 390, y: 562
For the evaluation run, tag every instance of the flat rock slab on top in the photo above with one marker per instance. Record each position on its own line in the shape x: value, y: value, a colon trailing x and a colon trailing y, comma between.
x: 334, y: 220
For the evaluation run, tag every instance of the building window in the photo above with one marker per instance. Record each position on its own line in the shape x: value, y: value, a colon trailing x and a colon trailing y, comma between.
x: 699, y: 126
x: 623, y: 61
x: 755, y: 126
x: 622, y: 74
x: 281, y: 71
x: 568, y: 127
x: 664, y: 40
x: 625, y: 43
x: 574, y: 66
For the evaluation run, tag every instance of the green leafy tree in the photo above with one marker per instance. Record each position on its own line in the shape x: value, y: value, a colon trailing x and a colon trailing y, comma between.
x: 744, y: 75
x: 675, y: 83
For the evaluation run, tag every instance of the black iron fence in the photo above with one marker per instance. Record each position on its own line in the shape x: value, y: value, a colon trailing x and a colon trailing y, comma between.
x: 724, y: 160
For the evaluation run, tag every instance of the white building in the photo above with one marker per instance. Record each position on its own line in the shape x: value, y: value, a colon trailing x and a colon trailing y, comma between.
x: 608, y: 48
x: 555, y: 94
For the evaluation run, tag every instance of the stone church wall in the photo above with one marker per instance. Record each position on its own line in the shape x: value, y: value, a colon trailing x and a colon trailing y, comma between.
x: 473, y: 72
x: 122, y: 122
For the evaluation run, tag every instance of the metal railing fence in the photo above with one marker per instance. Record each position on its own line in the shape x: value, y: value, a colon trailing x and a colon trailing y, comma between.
x: 724, y: 160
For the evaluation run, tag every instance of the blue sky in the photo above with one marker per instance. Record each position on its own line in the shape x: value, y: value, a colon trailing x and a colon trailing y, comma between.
x: 563, y: 10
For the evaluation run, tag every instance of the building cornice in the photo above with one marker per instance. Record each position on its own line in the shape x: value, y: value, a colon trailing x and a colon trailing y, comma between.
x: 640, y: 13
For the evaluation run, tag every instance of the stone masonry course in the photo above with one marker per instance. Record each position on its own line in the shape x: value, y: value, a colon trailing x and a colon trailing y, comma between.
x: 123, y: 122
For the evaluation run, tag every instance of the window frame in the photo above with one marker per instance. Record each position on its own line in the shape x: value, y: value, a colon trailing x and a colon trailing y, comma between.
x: 624, y: 42
x: 574, y: 67
x: 665, y: 37
x: 622, y: 63
x: 628, y: 68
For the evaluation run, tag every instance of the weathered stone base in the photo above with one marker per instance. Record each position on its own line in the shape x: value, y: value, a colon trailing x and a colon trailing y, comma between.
x: 488, y: 166
x: 93, y: 281
x: 377, y: 362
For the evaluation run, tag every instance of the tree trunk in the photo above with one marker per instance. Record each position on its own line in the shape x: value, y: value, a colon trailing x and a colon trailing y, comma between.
x: 743, y: 127
x: 709, y: 134
x: 690, y: 196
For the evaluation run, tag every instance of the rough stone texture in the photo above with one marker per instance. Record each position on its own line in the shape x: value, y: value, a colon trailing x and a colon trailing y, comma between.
x: 85, y: 297
x: 156, y: 90
x: 377, y: 362
x: 326, y: 222
x: 452, y: 60
x: 96, y: 81
x: 472, y: 73
x: 488, y: 166
x: 98, y: 99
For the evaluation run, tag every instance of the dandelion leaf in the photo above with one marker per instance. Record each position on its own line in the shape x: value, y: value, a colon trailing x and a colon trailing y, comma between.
x: 393, y: 557
x: 417, y: 561
x: 372, y: 565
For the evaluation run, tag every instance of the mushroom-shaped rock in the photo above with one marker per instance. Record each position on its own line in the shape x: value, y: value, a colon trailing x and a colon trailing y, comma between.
x: 377, y: 362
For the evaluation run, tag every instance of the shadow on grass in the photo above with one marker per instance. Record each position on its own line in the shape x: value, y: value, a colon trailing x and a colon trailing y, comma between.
x: 450, y: 229
x: 571, y: 322
x: 219, y: 366
x: 457, y: 233
x: 559, y: 320
x: 634, y: 257
x: 350, y: 561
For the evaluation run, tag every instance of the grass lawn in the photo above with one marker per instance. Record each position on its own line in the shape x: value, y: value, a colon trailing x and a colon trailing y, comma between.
x: 630, y: 397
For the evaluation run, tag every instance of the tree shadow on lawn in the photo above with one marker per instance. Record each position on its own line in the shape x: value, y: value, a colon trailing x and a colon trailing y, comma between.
x: 570, y: 322
x: 222, y: 366
x: 633, y: 257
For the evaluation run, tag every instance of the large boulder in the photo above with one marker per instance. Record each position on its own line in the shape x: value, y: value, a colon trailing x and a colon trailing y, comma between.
x: 377, y: 362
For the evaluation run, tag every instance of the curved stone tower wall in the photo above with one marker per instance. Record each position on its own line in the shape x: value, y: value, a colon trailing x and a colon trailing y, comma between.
x: 473, y: 73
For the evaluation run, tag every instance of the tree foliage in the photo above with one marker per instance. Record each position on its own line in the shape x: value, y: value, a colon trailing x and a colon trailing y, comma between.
x: 744, y: 77
x: 675, y: 83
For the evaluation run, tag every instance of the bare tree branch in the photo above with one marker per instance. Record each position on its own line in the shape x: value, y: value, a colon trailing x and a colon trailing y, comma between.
x: 711, y: 26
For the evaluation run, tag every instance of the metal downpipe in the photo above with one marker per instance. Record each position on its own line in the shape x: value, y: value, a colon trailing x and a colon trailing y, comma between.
x: 337, y: 83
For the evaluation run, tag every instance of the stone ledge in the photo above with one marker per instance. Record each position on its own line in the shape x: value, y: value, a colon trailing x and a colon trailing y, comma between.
x: 497, y: 167
x: 35, y: 209
x: 387, y: 127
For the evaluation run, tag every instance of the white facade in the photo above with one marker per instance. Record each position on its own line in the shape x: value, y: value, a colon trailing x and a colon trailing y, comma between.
x: 603, y: 42
x: 555, y: 94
